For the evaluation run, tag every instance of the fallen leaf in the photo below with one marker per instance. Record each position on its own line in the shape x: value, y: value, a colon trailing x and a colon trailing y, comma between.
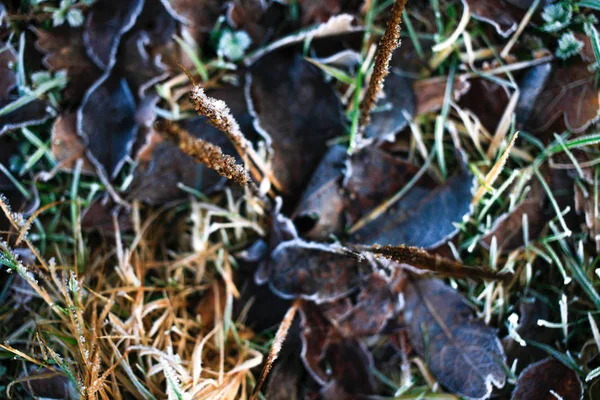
x: 393, y: 110
x: 49, y: 384
x: 33, y: 113
x: 508, y: 228
x: 373, y: 176
x: 463, y: 353
x: 424, y: 217
x: 501, y: 14
x: 319, y: 213
x: 67, y: 147
x: 487, y: 100
x: 585, y: 204
x: 315, y: 330
x: 64, y: 49
x: 297, y: 111
x: 548, y: 379
x: 430, y: 93
x: 246, y: 15
x: 571, y: 98
x: 8, y: 79
x: 157, y: 178
x: 351, y: 368
x: 106, y: 122
x: 106, y: 23
x: 374, y: 306
x: 531, y: 85
x: 312, y: 11
x: 314, y: 271
x: 198, y: 17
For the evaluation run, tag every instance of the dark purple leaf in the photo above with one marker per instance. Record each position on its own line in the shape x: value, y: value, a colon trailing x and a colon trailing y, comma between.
x: 8, y: 79
x: 548, y: 379
x: 463, y: 353
x: 106, y: 122
x: 297, y: 110
x: 424, y: 217
x: 49, y: 384
x: 33, y: 113
x: 106, y: 23
x: 319, y: 213
x: 67, y: 146
x: 63, y: 49
x: 531, y: 84
x: 314, y: 271
x: 504, y: 16
x: 392, y: 110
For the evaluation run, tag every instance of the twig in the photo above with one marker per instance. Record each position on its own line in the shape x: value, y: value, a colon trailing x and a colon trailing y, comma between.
x: 388, y: 43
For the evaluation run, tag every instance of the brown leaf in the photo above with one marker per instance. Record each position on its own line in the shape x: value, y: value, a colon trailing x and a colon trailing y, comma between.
x: 106, y: 23
x: 374, y: 175
x: 351, y: 367
x: 374, y: 307
x: 319, y: 213
x: 314, y: 271
x: 297, y: 110
x: 63, y: 49
x: 425, y: 216
x: 462, y: 352
x: 246, y: 15
x: 571, y: 99
x: 198, y: 17
x: 49, y: 384
x: 392, y: 110
x: 430, y: 93
x: 504, y: 16
x: 67, y: 146
x: 314, y: 334
x: 548, y: 379
x: 33, y: 113
x: 107, y: 124
x: 508, y: 228
x: 585, y: 204
x: 487, y: 100
x: 8, y: 79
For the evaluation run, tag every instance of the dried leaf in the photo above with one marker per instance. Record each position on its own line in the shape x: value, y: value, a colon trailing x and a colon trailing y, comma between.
x: 374, y: 307
x: 585, y: 204
x: 430, y: 93
x: 508, y: 228
x: 487, y: 100
x: 462, y: 352
x: 49, y: 384
x: 314, y: 271
x: 63, y: 49
x: 106, y: 23
x: 67, y: 146
x: 106, y: 122
x: 374, y: 175
x: 393, y: 108
x: 503, y: 15
x: 198, y: 17
x: 548, y: 379
x: 297, y: 111
x: 8, y: 79
x: 531, y: 85
x: 571, y: 98
x: 425, y: 216
x: 33, y: 113
x: 319, y: 213
x: 351, y: 368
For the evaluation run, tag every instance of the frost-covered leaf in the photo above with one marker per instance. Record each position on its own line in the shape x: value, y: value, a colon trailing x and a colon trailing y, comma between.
x: 501, y: 14
x: 67, y: 146
x: 424, y: 217
x: 463, y: 353
x: 106, y: 23
x: 314, y: 271
x: 297, y: 110
x: 548, y: 379
x: 106, y: 122
x: 319, y: 213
